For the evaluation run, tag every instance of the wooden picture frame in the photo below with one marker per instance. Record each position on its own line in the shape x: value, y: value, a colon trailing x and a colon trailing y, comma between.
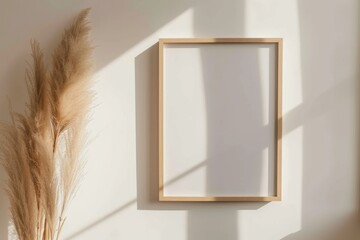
x: 278, y: 42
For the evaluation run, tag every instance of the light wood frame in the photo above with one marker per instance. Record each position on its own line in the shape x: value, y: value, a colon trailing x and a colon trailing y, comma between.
x: 278, y: 113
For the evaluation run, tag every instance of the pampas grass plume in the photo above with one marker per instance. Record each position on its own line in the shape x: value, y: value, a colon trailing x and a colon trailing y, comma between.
x: 40, y: 149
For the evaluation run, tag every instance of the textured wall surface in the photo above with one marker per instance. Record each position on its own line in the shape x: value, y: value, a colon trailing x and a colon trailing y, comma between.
x: 117, y: 198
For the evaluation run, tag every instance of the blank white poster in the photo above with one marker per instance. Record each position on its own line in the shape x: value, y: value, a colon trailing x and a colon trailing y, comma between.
x: 219, y: 119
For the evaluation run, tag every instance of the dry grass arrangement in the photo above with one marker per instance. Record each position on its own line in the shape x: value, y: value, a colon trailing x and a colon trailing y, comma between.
x: 40, y: 149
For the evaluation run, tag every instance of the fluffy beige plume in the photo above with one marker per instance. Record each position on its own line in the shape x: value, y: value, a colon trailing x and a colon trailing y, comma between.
x: 40, y: 150
x: 71, y: 96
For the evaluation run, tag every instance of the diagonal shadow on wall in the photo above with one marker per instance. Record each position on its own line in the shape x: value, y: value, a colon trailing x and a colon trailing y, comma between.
x: 327, y: 141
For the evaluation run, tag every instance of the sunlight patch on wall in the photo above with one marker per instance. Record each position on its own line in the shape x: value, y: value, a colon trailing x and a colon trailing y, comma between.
x: 293, y: 154
x: 266, y: 56
x: 291, y: 205
x: 185, y: 125
x: 181, y: 26
x: 267, y: 183
x: 266, y: 19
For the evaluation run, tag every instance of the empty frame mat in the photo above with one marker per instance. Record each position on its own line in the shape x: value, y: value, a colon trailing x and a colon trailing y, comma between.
x: 220, y: 119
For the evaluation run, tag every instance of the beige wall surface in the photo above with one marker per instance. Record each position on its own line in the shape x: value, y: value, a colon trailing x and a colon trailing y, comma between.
x: 118, y: 196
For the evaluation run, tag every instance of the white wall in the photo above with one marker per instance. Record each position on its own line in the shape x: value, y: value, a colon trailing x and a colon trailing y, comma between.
x: 117, y: 198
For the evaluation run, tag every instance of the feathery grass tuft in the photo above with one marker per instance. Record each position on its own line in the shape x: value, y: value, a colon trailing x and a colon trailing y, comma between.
x: 40, y: 149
